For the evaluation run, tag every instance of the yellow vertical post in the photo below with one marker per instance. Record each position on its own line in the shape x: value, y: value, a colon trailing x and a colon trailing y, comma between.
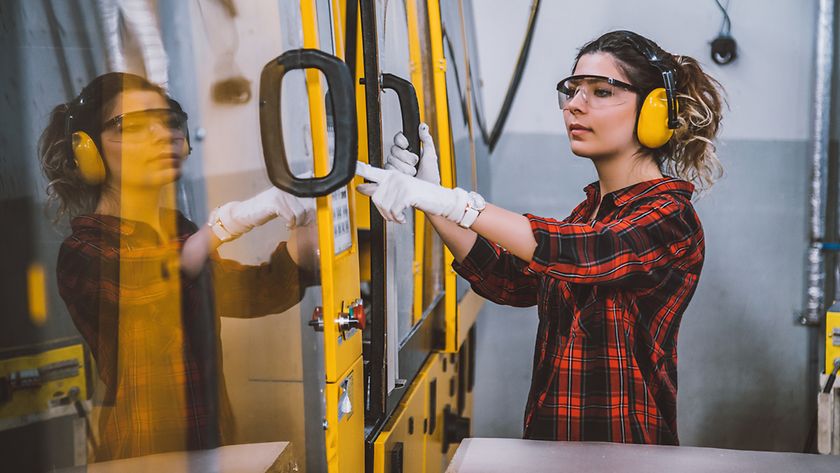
x: 344, y: 430
x: 419, y: 217
x: 447, y: 164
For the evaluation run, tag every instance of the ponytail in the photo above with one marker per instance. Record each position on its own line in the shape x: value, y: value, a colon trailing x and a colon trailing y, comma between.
x: 691, y: 153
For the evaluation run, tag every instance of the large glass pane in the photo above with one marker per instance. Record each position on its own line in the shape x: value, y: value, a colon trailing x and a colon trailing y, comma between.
x: 129, y: 331
x: 392, y: 30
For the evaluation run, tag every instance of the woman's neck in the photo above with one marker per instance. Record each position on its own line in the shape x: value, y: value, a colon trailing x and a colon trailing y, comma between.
x: 616, y: 173
x: 136, y: 204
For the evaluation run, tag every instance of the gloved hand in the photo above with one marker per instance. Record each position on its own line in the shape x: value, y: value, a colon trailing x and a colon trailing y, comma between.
x: 392, y: 192
x: 404, y: 161
x: 233, y: 219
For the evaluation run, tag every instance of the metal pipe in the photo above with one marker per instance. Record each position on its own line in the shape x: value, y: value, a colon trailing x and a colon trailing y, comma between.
x: 822, y: 108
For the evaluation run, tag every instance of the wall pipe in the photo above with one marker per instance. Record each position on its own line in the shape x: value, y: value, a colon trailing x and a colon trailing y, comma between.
x: 822, y: 107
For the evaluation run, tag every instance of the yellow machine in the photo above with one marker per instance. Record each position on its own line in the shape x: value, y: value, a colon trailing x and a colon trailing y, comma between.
x: 828, y: 400
x: 372, y: 368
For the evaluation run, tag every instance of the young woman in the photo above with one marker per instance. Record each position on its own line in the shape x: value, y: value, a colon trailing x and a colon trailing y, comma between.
x: 612, y: 280
x: 143, y: 285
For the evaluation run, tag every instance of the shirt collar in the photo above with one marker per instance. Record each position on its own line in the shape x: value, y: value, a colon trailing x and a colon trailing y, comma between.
x: 642, y: 189
x: 124, y: 227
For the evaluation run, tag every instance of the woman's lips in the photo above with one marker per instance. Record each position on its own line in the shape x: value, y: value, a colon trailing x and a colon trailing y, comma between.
x: 578, y: 130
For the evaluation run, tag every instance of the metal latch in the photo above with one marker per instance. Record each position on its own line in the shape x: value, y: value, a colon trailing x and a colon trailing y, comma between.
x: 835, y: 337
x: 317, y: 320
x: 345, y: 406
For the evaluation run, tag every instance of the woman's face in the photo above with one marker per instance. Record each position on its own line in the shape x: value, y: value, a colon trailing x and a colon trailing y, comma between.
x: 140, y: 150
x: 605, y: 131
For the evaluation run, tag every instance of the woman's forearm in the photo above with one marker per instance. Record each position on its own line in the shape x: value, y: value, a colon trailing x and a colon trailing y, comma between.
x: 459, y: 240
x: 196, y: 250
x: 510, y: 230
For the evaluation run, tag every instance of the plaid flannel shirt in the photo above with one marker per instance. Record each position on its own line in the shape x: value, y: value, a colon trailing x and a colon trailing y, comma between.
x: 610, y: 293
x: 155, y: 336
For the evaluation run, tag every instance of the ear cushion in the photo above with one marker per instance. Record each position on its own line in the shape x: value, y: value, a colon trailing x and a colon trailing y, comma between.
x: 88, y: 159
x: 652, y: 129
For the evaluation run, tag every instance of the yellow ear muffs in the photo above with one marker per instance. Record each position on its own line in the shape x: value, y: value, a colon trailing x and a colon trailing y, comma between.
x: 652, y: 129
x: 88, y: 159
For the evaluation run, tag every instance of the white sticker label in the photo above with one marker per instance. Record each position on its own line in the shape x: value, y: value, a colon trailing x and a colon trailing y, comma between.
x: 341, y: 221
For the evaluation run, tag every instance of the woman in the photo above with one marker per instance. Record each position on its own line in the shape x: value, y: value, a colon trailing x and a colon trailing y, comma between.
x: 140, y: 280
x: 612, y: 280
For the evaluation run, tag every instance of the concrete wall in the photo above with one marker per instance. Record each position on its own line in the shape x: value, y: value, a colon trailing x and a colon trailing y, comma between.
x: 744, y: 380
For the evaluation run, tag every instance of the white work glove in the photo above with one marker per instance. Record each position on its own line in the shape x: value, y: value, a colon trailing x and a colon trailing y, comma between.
x: 404, y: 161
x: 233, y: 219
x: 393, y: 192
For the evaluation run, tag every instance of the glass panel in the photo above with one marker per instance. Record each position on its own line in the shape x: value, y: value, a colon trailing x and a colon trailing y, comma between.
x: 127, y: 333
x: 394, y: 59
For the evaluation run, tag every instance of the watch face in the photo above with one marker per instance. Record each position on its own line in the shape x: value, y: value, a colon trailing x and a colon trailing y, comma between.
x: 477, y: 201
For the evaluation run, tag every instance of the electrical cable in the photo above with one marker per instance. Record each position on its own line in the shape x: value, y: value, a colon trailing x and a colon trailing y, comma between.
x: 726, y: 26
x: 829, y: 383
x: 491, y: 138
x: 724, y: 48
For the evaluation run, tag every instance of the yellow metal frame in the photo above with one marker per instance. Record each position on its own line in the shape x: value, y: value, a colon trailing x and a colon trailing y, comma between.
x: 414, y: 404
x: 419, y: 217
x: 447, y: 167
x: 339, y: 274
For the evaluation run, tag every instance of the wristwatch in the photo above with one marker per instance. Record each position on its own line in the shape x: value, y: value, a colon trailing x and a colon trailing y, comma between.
x: 218, y: 228
x: 475, y: 204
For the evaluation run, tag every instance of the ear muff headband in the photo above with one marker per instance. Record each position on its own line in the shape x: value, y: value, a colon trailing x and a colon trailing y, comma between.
x: 658, y: 114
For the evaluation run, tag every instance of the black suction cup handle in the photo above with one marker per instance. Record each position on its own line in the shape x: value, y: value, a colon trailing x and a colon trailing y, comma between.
x: 342, y: 99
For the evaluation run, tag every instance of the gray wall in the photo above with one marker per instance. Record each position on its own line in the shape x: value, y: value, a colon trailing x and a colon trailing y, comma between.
x: 744, y: 380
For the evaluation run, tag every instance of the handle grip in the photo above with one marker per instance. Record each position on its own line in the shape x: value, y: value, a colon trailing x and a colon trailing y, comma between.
x: 409, y: 108
x: 342, y: 99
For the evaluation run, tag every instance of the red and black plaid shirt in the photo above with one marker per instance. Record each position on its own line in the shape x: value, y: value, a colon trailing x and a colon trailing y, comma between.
x: 610, y: 293
x: 154, y: 333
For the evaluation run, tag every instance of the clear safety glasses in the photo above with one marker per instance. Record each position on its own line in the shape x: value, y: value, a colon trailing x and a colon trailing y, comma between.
x: 596, y: 91
x: 144, y: 125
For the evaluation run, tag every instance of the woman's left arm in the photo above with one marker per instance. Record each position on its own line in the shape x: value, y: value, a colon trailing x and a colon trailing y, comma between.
x: 510, y: 230
x: 639, y: 249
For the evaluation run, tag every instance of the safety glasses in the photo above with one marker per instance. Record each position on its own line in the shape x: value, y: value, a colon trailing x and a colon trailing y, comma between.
x: 143, y: 125
x: 596, y: 91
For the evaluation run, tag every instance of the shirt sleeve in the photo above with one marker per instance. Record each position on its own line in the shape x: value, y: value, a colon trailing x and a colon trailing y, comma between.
x: 256, y: 290
x: 637, y: 250
x: 87, y: 274
x: 497, y: 275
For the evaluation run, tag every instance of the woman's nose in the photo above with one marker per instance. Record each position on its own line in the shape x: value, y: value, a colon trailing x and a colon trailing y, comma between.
x: 574, y: 104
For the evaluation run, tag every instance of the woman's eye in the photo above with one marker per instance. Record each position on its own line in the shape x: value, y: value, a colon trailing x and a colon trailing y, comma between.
x: 130, y: 127
x: 173, y: 123
x: 601, y: 92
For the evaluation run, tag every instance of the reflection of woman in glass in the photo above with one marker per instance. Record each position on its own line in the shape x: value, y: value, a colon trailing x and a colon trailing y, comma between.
x: 143, y: 284
x: 612, y: 280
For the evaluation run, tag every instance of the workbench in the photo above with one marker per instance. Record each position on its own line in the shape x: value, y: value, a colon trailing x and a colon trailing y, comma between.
x: 497, y: 455
x: 268, y: 457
